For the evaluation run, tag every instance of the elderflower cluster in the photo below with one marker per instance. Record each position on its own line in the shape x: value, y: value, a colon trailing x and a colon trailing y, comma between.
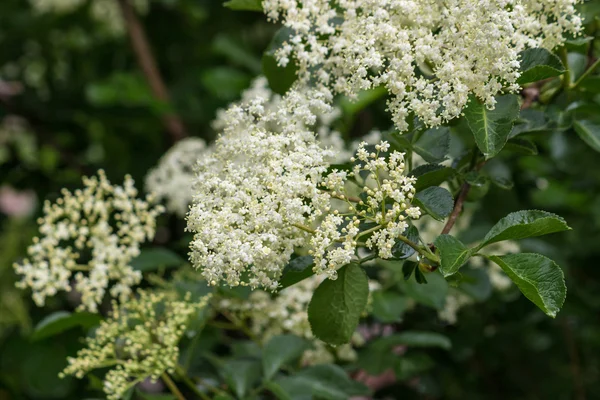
x: 286, y: 313
x: 139, y: 341
x: 172, y: 179
x: 258, y: 186
x: 430, y: 55
x: 381, y: 210
x: 89, y: 237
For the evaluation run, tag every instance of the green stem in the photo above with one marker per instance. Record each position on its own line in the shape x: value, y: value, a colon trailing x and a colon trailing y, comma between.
x: 591, y: 69
x: 368, y: 258
x: 172, y: 387
x: 240, y: 325
x: 423, y: 250
x: 567, y: 75
x: 304, y: 228
x: 183, y: 376
x: 369, y: 231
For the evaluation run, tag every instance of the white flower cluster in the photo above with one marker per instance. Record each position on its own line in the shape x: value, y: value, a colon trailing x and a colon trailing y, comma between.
x: 172, y: 179
x: 260, y: 183
x: 430, y: 55
x: 286, y: 313
x: 91, y: 235
x: 383, y: 205
x: 140, y: 340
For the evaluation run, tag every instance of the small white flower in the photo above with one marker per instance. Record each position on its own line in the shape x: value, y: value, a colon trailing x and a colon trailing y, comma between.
x: 80, y: 240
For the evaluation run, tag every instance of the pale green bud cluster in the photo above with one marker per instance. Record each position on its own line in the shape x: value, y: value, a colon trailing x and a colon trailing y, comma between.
x: 139, y: 341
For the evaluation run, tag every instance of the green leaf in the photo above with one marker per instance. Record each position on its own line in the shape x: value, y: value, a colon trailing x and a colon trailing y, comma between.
x: 280, y: 78
x: 431, y: 294
x: 278, y: 391
x: 61, y: 321
x: 433, y: 145
x: 415, y: 339
x: 435, y: 201
x: 538, y: 278
x: 503, y: 183
x: 154, y: 258
x: 336, y: 305
x: 453, y: 253
x: 589, y: 132
x: 491, y: 128
x: 153, y: 396
x: 524, y: 224
x: 244, y: 5
x: 402, y: 250
x: 241, y: 375
x: 538, y: 64
x: 431, y: 175
x: 522, y: 145
x: 388, y: 307
x: 411, y: 365
x: 323, y: 381
x: 280, y: 350
x: 363, y: 100
x: 378, y: 356
x: 297, y: 270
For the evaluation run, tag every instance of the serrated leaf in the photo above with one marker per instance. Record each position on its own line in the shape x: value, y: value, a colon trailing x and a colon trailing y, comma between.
x: 539, y: 278
x: 278, y: 391
x: 503, y: 183
x: 538, y: 64
x: 297, y: 270
x: 157, y: 257
x: 323, y: 381
x: 61, y: 321
x: 491, y: 128
x: 524, y: 224
x: 453, y: 254
x: 402, y: 250
x: 522, y: 146
x: 280, y: 350
x: 431, y: 175
x: 589, y: 132
x: 397, y: 141
x: 244, y: 5
x: 336, y: 305
x: 530, y: 121
x: 388, y: 307
x: 435, y: 201
x: 433, y: 145
x: 241, y: 375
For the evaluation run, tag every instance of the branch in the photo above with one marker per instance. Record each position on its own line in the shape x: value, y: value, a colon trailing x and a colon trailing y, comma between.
x: 458, y: 206
x: 460, y: 200
x: 147, y: 63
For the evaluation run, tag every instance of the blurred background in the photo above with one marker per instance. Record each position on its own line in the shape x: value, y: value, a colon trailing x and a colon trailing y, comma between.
x: 79, y: 92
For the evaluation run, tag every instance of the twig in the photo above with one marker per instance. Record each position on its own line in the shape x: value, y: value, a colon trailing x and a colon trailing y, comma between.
x: 458, y: 206
x: 147, y: 63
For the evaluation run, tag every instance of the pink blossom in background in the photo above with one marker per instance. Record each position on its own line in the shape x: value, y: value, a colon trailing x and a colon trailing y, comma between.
x: 16, y: 203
